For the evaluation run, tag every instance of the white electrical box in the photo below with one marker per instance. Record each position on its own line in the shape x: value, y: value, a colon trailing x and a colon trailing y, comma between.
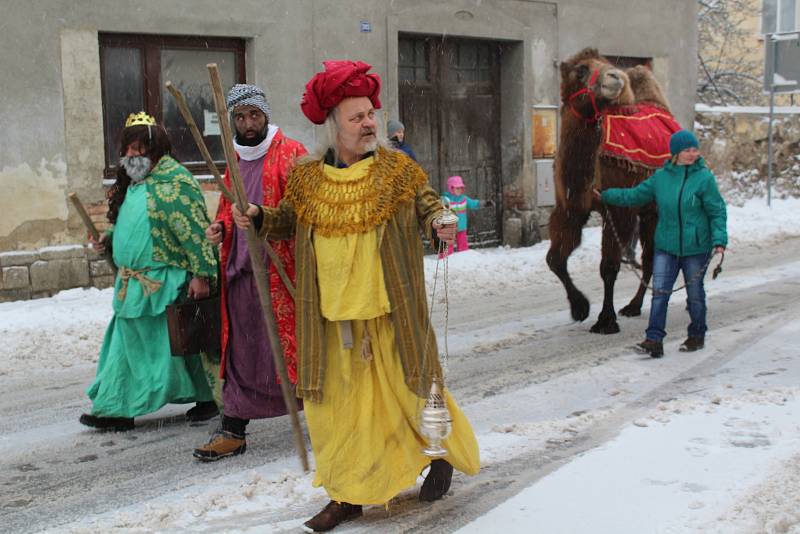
x: 545, y: 188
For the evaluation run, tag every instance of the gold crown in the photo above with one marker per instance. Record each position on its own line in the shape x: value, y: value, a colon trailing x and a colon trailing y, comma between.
x: 134, y: 119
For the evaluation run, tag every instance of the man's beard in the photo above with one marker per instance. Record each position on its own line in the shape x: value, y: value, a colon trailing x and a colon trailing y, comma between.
x: 252, y: 141
x: 372, y: 144
x: 136, y: 167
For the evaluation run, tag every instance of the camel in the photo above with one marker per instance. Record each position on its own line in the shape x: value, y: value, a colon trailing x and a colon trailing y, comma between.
x: 590, y: 88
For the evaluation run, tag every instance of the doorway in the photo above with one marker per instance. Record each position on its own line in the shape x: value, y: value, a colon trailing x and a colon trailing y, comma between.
x: 450, y: 104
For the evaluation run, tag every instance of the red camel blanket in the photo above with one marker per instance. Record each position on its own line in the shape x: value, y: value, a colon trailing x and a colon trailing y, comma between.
x: 639, y: 134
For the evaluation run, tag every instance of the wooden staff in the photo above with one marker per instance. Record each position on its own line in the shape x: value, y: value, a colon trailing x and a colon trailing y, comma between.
x: 198, y: 139
x: 201, y: 145
x: 92, y: 228
x: 259, y: 270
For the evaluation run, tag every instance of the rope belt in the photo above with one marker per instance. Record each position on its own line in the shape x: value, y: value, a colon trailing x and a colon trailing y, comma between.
x: 149, y: 286
x: 346, y: 333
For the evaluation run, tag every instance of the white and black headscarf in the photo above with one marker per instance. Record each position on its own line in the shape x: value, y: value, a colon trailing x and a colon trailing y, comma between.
x: 243, y: 94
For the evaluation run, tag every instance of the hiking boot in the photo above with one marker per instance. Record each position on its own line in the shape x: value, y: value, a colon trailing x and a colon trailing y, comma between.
x: 202, y: 411
x: 117, y: 424
x: 648, y: 346
x: 333, y: 514
x: 437, y: 483
x: 221, y: 445
x: 692, y: 344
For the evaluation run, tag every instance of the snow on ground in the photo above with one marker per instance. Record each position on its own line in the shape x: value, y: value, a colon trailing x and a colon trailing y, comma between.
x: 722, y: 461
x: 278, y: 487
x: 722, y: 458
x: 64, y: 330
x: 674, y: 477
x: 274, y: 486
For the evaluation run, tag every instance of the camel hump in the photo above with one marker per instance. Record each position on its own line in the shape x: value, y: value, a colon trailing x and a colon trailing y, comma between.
x: 646, y: 89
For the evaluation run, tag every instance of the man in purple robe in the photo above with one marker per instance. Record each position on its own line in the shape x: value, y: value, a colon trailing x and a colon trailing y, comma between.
x: 251, y: 389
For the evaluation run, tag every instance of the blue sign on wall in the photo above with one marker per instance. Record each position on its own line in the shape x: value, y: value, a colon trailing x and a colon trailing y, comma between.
x: 366, y: 27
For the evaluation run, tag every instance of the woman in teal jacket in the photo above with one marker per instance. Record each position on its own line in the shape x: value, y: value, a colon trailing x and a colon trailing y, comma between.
x: 691, y: 224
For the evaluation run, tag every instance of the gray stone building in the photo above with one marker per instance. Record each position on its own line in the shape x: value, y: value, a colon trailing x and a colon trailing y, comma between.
x: 469, y: 78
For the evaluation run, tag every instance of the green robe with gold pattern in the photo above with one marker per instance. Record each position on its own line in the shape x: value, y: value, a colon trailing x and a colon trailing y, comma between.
x: 159, y: 234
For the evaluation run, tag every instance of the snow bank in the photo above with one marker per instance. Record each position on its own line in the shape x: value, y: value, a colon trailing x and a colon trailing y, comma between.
x: 772, y: 507
x: 492, y: 271
x: 273, y: 487
x: 757, y: 223
x: 722, y: 459
x: 670, y: 477
x: 60, y: 331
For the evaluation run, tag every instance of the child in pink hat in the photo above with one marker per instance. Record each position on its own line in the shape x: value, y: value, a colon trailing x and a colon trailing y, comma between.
x: 460, y: 203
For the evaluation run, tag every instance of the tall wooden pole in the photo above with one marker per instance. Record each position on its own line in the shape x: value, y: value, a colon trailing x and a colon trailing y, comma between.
x: 259, y: 269
x: 198, y: 139
x: 201, y: 145
x: 92, y: 228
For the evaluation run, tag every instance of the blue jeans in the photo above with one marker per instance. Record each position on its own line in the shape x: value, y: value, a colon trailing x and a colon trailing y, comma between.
x: 665, y: 272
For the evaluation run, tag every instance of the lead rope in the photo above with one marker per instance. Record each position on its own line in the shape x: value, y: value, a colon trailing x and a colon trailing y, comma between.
x: 697, y: 276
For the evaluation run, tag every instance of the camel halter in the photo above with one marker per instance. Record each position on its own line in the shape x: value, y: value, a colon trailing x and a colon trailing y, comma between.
x: 592, y: 98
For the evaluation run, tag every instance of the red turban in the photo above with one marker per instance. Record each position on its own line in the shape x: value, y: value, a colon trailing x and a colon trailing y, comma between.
x: 340, y: 79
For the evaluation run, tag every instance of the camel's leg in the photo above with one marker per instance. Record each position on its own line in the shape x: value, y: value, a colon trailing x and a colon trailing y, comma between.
x: 565, y: 236
x: 648, y: 218
x: 623, y: 220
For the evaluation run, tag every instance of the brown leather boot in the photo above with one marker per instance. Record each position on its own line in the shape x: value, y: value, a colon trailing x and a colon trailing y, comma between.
x: 221, y: 445
x: 330, y: 516
x: 437, y: 482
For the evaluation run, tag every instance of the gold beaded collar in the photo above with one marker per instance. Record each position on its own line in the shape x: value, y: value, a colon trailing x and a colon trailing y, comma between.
x: 337, y: 202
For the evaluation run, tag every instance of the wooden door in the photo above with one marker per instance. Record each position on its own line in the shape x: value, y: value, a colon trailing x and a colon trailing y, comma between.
x: 450, y: 105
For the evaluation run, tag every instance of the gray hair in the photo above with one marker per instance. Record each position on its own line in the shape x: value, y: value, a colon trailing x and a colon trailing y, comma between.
x: 327, y: 132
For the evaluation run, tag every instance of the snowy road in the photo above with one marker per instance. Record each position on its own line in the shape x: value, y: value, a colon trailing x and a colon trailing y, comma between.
x: 540, y: 391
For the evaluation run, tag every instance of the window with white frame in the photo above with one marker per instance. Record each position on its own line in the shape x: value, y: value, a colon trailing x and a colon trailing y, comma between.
x: 778, y: 16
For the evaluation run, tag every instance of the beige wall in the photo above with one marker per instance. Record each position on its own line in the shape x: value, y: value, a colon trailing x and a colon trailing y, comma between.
x: 51, y: 105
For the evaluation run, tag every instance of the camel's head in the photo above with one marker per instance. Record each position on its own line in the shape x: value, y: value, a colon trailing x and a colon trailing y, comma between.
x: 588, y: 73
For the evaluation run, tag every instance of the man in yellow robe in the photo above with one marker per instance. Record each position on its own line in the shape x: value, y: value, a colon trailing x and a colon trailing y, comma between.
x: 367, y: 353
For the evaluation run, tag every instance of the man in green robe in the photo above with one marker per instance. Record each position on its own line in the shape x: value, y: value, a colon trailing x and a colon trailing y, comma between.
x: 158, y: 244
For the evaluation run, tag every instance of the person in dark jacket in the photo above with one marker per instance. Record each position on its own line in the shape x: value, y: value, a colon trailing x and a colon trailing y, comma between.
x: 396, y: 133
x: 691, y: 226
